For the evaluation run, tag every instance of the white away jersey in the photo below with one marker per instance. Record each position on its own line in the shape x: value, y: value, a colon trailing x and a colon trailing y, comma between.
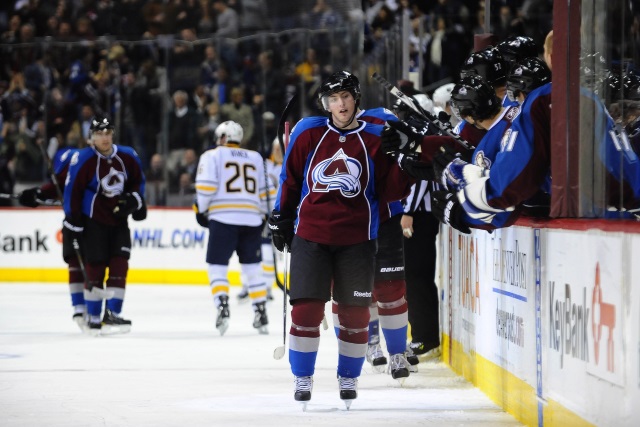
x: 231, y: 186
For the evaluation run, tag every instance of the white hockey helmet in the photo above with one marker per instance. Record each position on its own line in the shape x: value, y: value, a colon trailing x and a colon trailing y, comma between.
x: 425, y: 102
x: 442, y: 95
x: 232, y: 130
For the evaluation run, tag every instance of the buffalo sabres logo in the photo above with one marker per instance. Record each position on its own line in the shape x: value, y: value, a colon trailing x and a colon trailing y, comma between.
x: 113, y: 183
x: 338, y: 173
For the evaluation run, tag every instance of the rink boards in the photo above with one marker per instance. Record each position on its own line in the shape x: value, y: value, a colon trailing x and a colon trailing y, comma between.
x: 168, y: 247
x: 544, y: 318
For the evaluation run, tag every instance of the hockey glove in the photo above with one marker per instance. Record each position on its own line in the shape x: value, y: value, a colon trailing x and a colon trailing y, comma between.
x: 128, y: 203
x: 74, y: 232
x: 30, y: 197
x: 201, y: 218
x: 454, y: 172
x: 281, y: 230
x: 447, y: 209
x: 400, y: 138
x: 140, y: 214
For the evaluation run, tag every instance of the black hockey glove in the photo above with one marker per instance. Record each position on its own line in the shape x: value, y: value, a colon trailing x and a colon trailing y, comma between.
x: 415, y: 168
x: 201, y: 218
x: 447, y: 155
x: 128, y: 203
x: 140, y: 214
x: 281, y: 230
x: 73, y: 232
x: 446, y: 207
x: 400, y: 138
x: 30, y: 197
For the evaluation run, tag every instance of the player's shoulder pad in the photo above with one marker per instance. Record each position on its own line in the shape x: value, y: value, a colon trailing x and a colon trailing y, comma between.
x: 381, y: 113
x: 373, y: 128
x: 127, y: 150
x: 306, y: 124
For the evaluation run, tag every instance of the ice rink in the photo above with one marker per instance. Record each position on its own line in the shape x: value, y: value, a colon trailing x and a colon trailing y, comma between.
x: 174, y: 369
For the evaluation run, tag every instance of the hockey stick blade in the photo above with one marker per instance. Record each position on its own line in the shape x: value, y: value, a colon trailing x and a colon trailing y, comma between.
x: 408, y: 101
x: 278, y: 353
x: 8, y: 196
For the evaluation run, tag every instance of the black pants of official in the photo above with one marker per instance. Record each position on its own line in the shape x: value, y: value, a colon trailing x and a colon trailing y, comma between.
x: 420, y: 269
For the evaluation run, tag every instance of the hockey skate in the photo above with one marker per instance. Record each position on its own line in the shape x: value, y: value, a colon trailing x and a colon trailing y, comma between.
x: 243, y: 296
x: 425, y: 351
x: 94, y: 326
x: 348, y: 390
x: 376, y: 357
x: 222, y: 321
x: 302, y: 390
x: 114, y: 324
x: 399, y: 367
x: 260, y: 321
x: 80, y: 318
x: 412, y: 359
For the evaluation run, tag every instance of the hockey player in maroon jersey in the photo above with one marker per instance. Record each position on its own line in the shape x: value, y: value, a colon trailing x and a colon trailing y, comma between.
x: 333, y: 179
x: 105, y: 185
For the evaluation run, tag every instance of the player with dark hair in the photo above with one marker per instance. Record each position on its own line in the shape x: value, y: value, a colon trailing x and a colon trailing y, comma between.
x: 105, y: 185
x: 333, y: 179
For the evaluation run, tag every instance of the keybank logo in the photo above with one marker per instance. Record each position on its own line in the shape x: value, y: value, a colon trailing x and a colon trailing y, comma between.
x: 603, y: 319
x: 36, y: 242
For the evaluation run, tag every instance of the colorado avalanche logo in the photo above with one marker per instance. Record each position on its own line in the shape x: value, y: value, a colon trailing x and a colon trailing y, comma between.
x: 113, y: 183
x: 338, y: 173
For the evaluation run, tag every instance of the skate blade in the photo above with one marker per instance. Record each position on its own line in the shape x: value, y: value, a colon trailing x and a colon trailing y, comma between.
x: 347, y: 403
x: 82, y: 324
x: 263, y: 330
x: 224, y: 325
x: 413, y: 369
x: 92, y: 332
x: 380, y: 369
x: 115, y: 329
x: 401, y: 380
x: 244, y: 300
x: 304, y: 405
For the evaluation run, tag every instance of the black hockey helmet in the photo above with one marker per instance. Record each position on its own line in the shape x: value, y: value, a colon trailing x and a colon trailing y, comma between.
x: 631, y: 86
x: 475, y: 98
x: 488, y: 64
x: 101, y: 124
x: 516, y: 48
x: 526, y: 75
x: 338, y: 82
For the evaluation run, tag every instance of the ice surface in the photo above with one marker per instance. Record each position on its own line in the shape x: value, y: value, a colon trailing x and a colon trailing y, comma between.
x: 174, y: 369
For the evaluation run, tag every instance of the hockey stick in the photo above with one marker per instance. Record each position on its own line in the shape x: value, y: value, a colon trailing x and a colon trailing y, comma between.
x: 47, y: 202
x: 410, y: 102
x: 282, y: 124
x: 278, y: 353
x: 103, y: 294
x: 273, y: 249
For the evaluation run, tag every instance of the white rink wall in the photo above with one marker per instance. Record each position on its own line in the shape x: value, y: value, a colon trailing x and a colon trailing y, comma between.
x: 544, y: 318
x: 168, y: 247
